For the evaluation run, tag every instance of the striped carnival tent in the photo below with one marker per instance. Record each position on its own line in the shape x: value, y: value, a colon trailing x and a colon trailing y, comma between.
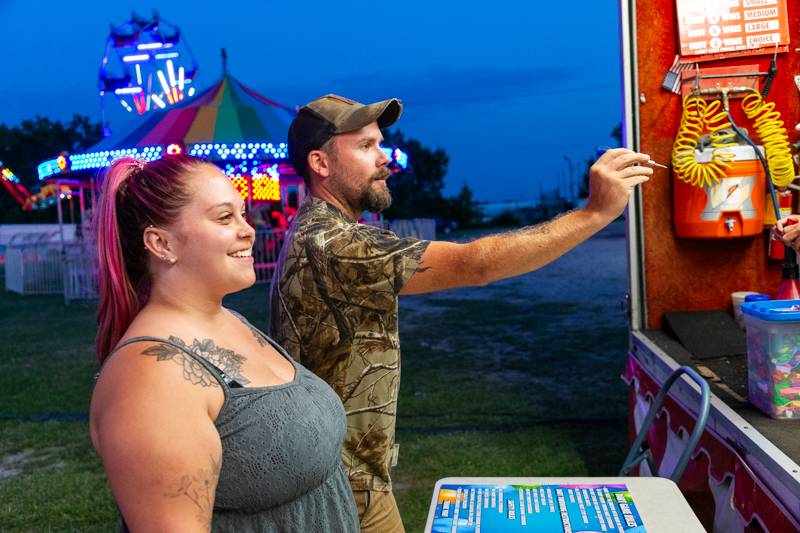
x: 227, y: 123
x: 228, y: 112
x: 230, y: 124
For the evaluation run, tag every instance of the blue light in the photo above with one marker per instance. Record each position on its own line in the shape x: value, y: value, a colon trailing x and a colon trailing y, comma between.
x: 48, y: 168
x: 240, y: 151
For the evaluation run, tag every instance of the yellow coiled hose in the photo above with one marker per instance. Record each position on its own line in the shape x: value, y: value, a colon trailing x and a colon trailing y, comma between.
x: 699, y: 117
x: 772, y: 134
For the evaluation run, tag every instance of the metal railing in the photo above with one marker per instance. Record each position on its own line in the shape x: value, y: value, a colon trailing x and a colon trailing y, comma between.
x: 80, y: 271
x: 46, y: 268
x: 266, y: 250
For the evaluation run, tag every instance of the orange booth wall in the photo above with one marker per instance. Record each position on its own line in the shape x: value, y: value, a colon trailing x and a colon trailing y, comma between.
x: 694, y: 274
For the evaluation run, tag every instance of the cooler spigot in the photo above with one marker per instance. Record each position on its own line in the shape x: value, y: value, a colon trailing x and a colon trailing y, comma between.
x: 729, y: 223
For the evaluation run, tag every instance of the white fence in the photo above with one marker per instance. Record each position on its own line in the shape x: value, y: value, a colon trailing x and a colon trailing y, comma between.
x: 34, y: 268
x: 44, y: 268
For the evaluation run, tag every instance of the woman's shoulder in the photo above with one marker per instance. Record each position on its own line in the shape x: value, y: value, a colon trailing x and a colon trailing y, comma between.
x: 161, y: 359
x: 148, y: 370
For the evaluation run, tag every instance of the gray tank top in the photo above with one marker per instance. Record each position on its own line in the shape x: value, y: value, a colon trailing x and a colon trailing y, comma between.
x: 281, y: 455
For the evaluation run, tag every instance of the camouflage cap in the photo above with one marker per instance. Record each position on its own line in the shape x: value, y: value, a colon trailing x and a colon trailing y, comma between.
x: 329, y: 115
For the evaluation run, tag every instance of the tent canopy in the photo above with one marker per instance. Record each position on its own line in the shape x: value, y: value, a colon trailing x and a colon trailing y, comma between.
x: 227, y: 112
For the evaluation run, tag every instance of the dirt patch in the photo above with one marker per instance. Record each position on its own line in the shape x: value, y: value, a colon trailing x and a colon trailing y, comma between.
x: 18, y: 463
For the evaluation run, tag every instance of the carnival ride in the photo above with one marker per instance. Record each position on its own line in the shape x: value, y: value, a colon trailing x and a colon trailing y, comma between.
x: 47, y: 195
x: 147, y: 65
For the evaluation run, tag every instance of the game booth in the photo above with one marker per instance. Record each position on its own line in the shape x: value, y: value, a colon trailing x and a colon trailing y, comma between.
x: 712, y: 89
x: 712, y: 94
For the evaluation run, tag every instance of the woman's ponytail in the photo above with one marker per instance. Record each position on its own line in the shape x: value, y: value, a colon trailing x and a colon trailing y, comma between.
x: 119, y: 301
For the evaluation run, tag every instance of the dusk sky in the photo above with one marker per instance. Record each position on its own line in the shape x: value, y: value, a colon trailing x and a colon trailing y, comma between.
x: 507, y: 88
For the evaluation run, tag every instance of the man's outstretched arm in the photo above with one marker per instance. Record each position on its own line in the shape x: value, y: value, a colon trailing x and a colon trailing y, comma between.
x: 445, y: 265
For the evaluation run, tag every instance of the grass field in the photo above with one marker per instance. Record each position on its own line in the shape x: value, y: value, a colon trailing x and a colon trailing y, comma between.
x: 517, y: 378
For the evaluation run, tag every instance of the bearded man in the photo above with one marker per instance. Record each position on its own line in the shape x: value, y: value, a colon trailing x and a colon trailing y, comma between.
x: 334, y: 294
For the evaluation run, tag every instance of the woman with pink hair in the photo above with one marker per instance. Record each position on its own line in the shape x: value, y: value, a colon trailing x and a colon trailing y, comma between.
x: 202, y: 422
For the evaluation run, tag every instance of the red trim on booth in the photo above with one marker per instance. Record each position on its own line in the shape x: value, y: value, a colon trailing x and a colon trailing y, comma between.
x: 713, y: 458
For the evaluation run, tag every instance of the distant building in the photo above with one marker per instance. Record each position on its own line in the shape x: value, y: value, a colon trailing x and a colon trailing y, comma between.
x: 490, y: 210
x: 549, y: 204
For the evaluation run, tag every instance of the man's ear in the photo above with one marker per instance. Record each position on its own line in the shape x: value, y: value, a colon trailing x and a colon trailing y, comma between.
x: 319, y: 162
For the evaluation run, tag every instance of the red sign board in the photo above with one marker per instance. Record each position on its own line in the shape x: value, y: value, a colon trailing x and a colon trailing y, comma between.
x: 712, y: 29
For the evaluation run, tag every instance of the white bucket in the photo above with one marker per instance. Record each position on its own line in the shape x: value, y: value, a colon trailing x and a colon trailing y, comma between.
x: 737, y: 298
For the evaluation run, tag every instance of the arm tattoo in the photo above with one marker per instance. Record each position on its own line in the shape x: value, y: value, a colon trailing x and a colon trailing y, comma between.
x: 226, y: 360
x: 198, y: 488
x: 421, y: 268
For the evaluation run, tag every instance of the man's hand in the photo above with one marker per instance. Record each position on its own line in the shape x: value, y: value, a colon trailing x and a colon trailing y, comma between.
x: 612, y: 178
x: 788, y: 230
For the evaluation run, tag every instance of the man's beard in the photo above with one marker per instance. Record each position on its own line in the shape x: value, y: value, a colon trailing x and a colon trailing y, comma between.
x: 375, y: 199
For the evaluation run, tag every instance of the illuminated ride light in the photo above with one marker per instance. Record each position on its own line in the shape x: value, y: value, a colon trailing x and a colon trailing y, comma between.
x: 241, y: 185
x: 266, y: 185
x: 398, y: 156
x: 147, y: 65
x: 47, y: 196
x: 251, y: 154
x: 7, y: 174
x: 239, y: 151
x: 136, y: 58
x: 174, y: 149
x: 128, y: 90
x: 149, y: 46
x: 47, y: 169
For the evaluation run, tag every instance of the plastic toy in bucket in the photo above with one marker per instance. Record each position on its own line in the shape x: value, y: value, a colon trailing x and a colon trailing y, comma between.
x: 773, y: 356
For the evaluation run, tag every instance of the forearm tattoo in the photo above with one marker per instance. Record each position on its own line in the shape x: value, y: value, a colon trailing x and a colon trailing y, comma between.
x: 199, y: 488
x: 226, y: 360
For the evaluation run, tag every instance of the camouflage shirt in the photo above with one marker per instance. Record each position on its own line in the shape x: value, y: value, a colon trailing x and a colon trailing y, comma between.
x: 333, y: 306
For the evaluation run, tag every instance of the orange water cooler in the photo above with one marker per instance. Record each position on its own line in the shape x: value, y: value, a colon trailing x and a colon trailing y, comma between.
x: 733, y: 207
